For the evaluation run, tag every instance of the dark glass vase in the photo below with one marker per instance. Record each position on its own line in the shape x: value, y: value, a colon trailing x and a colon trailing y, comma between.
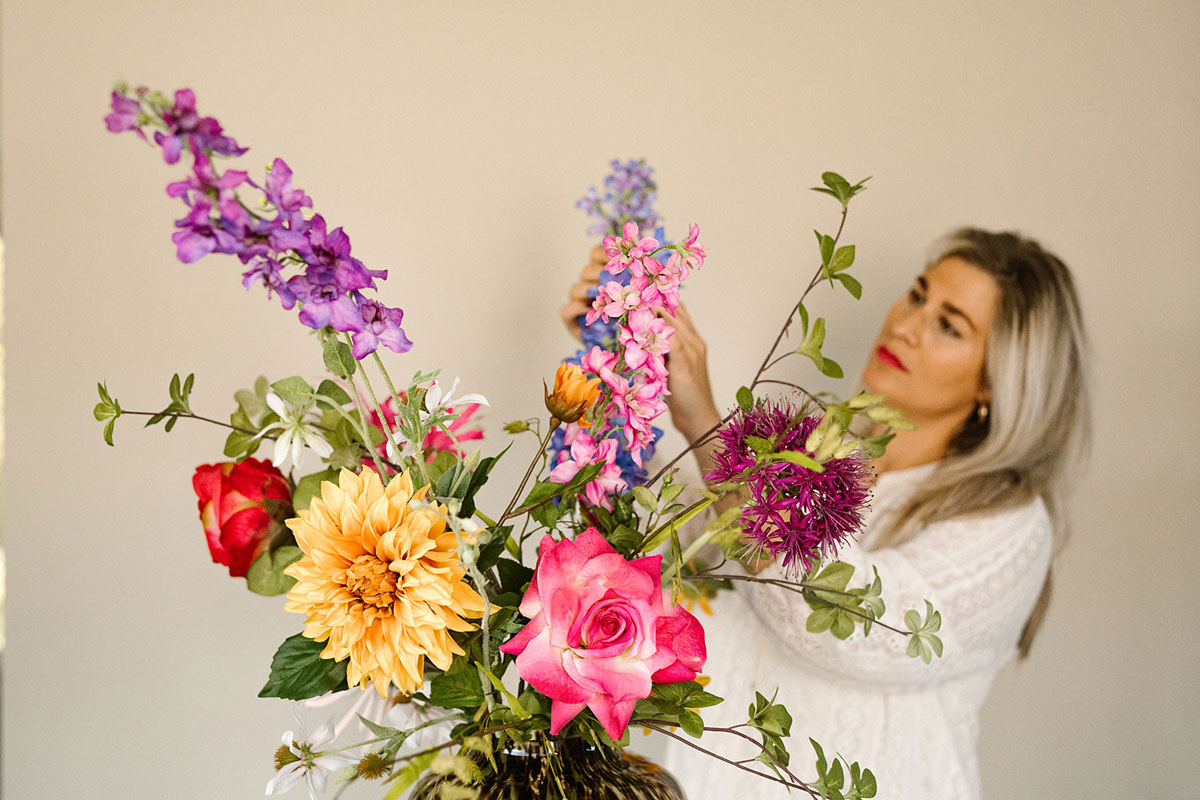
x: 585, y: 772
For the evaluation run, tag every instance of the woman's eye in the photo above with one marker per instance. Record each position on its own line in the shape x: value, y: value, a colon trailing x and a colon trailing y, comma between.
x: 948, y: 326
x: 914, y: 297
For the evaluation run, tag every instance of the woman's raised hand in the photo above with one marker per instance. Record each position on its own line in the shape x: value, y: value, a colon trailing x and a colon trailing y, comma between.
x: 578, y: 303
x: 693, y: 410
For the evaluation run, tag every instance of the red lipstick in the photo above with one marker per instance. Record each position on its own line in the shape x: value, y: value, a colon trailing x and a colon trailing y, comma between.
x: 889, y: 358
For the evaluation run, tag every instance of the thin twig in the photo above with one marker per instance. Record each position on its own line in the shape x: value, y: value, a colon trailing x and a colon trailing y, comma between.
x: 793, y: 784
x: 190, y: 416
x: 787, y: 323
x: 805, y: 589
x: 701, y: 440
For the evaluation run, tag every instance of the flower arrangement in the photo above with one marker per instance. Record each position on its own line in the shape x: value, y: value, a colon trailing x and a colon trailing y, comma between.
x: 414, y: 598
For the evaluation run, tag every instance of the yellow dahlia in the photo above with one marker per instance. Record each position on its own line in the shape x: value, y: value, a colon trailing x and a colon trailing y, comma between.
x: 379, y: 581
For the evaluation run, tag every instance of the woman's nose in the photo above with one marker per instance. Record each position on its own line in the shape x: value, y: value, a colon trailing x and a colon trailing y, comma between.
x: 907, y: 327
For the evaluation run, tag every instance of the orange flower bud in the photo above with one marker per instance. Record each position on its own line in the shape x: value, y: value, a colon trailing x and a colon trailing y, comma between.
x: 572, y: 396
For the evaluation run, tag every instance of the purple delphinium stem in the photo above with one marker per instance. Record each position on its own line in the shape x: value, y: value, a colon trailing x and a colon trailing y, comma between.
x: 330, y: 282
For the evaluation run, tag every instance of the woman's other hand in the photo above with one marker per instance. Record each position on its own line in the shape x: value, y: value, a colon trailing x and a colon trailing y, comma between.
x: 693, y: 410
x: 578, y: 302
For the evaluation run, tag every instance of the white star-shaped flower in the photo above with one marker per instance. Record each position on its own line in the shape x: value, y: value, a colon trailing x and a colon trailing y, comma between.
x: 296, y: 432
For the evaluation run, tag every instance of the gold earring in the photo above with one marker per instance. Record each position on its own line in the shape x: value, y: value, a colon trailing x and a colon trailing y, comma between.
x: 981, y: 413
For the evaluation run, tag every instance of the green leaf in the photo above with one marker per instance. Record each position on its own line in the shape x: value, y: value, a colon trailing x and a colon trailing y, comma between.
x: 479, y: 476
x: 265, y: 575
x: 645, y: 498
x: 852, y: 285
x: 408, y: 775
x: 108, y: 431
x: 458, y: 688
x: 862, y: 400
x: 803, y: 320
x: 775, y: 719
x: 745, y: 398
x: 656, y: 538
x: 876, y: 445
x: 513, y: 702
x: 821, y: 620
x: 333, y: 393
x: 891, y: 417
x: 691, y: 723
x: 836, y: 182
x: 826, y: 243
x: 238, y: 444
x: 759, y: 445
x: 295, y: 391
x: 382, y: 731
x: 582, y: 478
x: 546, y: 515
x: 842, y: 259
x: 822, y: 765
x: 339, y: 358
x: 830, y: 367
x: 675, y: 694
x: 672, y: 491
x: 834, y: 576
x: 249, y: 402
x: 867, y: 786
x: 104, y: 395
x: 624, y: 539
x: 817, y: 339
x: 298, y: 672
x: 310, y: 486
x: 812, y: 345
x: 513, y: 575
x: 843, y: 625
x: 797, y: 457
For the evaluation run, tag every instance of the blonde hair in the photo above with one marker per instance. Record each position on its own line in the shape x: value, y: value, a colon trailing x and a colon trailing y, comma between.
x: 1036, y: 429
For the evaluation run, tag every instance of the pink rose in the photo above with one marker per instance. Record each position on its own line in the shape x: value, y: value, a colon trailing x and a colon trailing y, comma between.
x: 599, y: 636
x: 232, y: 498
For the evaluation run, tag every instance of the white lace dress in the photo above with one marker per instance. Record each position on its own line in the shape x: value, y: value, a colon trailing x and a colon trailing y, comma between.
x: 915, y: 726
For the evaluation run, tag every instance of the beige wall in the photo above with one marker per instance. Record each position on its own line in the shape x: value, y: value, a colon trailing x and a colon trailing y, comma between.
x: 452, y: 139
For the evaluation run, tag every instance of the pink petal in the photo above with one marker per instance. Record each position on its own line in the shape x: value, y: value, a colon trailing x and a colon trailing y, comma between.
x: 517, y: 644
x: 620, y: 678
x: 613, y: 716
x: 541, y: 665
x: 561, y: 713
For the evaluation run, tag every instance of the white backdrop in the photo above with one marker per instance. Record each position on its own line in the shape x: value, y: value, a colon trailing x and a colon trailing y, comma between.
x: 452, y: 140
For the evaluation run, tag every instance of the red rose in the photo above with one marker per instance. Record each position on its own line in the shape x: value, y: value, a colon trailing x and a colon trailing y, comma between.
x: 233, y: 508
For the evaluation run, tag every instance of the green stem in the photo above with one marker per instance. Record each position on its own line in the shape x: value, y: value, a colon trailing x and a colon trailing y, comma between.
x: 378, y: 408
x: 691, y: 551
x: 361, y: 425
x: 418, y: 455
x: 787, y: 323
x: 554, y: 423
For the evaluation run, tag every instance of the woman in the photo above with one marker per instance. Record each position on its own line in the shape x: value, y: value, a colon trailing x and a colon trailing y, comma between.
x: 986, y: 354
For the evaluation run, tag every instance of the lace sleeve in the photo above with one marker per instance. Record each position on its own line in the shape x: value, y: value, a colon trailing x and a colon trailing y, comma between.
x: 983, y: 574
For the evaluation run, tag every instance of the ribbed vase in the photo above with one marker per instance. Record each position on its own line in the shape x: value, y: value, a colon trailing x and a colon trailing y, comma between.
x: 526, y: 772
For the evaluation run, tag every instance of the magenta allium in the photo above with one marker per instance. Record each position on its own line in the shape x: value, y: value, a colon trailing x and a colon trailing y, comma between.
x: 795, y: 515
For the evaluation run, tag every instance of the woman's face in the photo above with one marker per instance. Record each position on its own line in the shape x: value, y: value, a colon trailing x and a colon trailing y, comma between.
x: 929, y: 356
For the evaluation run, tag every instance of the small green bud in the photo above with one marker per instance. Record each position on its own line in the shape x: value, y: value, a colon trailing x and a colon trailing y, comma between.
x: 863, y: 400
x: 519, y: 426
x: 845, y: 450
